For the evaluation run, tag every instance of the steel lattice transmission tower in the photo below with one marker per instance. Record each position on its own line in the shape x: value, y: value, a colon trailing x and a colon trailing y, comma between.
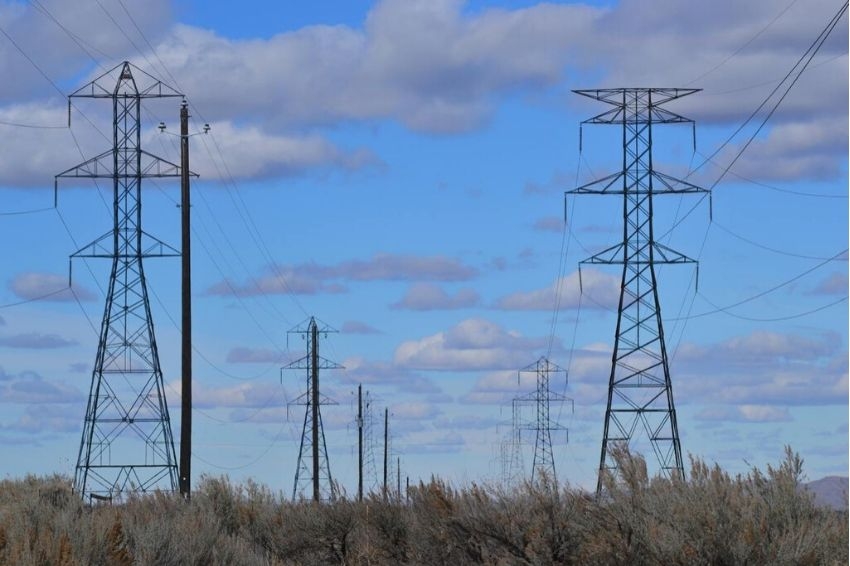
x: 317, y: 474
x: 127, y: 444
x: 511, y: 448
x: 640, y: 393
x: 543, y: 426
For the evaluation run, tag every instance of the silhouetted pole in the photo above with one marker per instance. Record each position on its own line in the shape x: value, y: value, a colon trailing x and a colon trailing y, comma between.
x: 314, y: 336
x: 398, y: 478
x: 360, y: 443
x: 386, y: 446
x: 186, y: 323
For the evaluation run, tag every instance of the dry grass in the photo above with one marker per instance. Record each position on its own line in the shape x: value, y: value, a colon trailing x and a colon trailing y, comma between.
x: 713, y: 518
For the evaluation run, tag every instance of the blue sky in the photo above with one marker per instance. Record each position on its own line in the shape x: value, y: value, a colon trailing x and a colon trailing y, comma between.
x: 397, y: 169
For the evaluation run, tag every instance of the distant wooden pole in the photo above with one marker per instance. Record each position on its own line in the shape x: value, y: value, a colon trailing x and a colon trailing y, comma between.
x: 314, y: 337
x: 360, y: 442
x: 386, y: 447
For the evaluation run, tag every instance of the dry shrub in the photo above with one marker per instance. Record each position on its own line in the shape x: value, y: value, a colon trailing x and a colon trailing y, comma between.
x: 712, y: 519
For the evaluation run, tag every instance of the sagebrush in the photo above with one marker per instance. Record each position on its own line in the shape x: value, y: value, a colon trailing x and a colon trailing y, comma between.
x: 712, y: 518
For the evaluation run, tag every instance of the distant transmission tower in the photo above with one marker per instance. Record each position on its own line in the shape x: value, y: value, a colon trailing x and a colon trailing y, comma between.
x: 639, y: 389
x: 370, y: 465
x: 511, y: 448
x: 126, y: 443
x: 543, y: 426
x: 318, y: 473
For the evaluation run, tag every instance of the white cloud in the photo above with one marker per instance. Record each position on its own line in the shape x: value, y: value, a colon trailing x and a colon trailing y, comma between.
x: 473, y: 344
x: 423, y: 63
x: 834, y: 284
x: 47, y: 287
x: 426, y: 297
x: 30, y: 387
x: 311, y: 278
x: 243, y: 355
x: 764, y: 368
x: 600, y: 290
x: 36, y: 341
x: 433, y: 66
x: 745, y: 413
x: 252, y: 153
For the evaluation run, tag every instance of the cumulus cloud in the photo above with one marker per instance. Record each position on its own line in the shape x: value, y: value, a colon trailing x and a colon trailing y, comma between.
x: 244, y: 355
x: 834, y: 284
x: 36, y: 341
x: 361, y: 370
x: 36, y: 30
x: 311, y: 278
x: 549, y: 224
x: 764, y: 368
x: 47, y: 287
x: 251, y: 395
x: 252, y: 153
x: 426, y: 297
x: 433, y: 66
x: 426, y: 64
x: 473, y: 344
x: 35, y: 420
x: 357, y: 327
x: 600, y: 290
x: 30, y: 387
x: 745, y: 413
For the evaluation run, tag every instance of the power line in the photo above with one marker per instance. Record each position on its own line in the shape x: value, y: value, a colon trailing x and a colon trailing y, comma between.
x: 767, y: 291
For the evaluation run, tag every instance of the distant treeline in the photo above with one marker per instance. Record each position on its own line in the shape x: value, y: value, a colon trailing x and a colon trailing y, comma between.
x: 712, y: 518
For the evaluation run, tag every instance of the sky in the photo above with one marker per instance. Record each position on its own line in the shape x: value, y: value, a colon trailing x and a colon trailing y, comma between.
x: 398, y: 169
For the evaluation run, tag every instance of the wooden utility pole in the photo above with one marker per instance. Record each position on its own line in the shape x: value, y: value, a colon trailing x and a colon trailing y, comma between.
x: 360, y: 442
x: 186, y: 315
x: 386, y: 447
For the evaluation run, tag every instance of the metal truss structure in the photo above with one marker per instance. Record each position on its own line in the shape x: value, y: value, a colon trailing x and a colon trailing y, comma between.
x: 317, y: 474
x: 640, y: 393
x: 127, y: 444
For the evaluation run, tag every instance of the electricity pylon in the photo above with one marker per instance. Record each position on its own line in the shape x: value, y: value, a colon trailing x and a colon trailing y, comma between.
x: 543, y: 426
x: 511, y: 448
x: 318, y: 474
x: 640, y: 392
x: 367, y: 478
x: 126, y: 443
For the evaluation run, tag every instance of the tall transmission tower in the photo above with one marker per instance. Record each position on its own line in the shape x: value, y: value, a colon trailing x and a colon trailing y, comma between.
x: 318, y: 473
x: 127, y: 444
x: 640, y: 393
x: 543, y: 426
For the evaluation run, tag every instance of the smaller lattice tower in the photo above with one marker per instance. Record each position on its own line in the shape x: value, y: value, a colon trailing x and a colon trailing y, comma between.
x: 370, y: 464
x: 511, y: 448
x: 543, y: 426
x: 316, y: 473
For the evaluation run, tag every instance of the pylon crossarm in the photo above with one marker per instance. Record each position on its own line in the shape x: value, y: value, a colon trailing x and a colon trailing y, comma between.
x: 663, y: 254
x: 100, y: 166
x: 609, y: 185
x: 609, y: 256
x: 154, y: 247
x: 123, y: 72
x: 674, y: 185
